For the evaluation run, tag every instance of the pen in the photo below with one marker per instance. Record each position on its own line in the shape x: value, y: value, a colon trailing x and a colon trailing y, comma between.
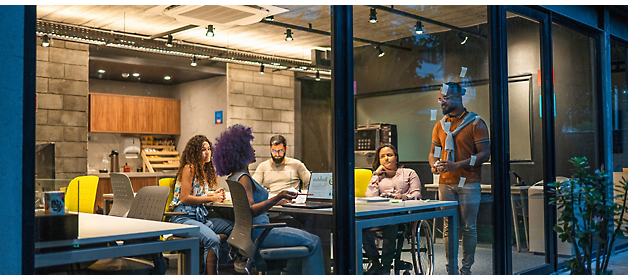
x: 305, y: 194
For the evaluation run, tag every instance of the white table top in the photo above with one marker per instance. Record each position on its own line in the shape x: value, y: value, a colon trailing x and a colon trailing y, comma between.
x: 95, y: 228
x: 485, y: 187
x: 363, y: 209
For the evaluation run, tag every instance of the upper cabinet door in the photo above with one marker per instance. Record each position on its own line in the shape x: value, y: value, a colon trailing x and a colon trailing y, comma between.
x: 166, y: 116
x: 106, y: 113
x: 137, y: 114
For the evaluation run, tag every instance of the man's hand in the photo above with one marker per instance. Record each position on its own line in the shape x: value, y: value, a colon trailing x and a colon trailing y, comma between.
x: 446, y: 166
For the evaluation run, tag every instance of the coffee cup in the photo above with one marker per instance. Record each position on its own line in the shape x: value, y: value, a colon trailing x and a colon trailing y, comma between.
x: 54, y: 202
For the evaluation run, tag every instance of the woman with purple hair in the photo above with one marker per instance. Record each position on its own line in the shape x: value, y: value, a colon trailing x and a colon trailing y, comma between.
x: 195, y: 181
x: 232, y: 155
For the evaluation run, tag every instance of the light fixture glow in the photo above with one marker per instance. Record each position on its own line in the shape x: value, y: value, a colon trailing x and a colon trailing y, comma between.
x: 270, y: 18
x: 261, y: 69
x: 167, y: 78
x: 169, y: 43
x: 463, y: 38
x: 45, y: 41
x: 373, y: 16
x: 419, y: 27
x: 318, y: 76
x: 136, y: 74
x: 380, y: 51
x: 289, y: 35
x: 210, y: 30
x: 101, y: 71
x: 193, y: 61
x: 125, y: 75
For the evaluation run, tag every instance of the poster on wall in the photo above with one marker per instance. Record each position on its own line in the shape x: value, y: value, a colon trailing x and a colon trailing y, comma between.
x: 218, y: 117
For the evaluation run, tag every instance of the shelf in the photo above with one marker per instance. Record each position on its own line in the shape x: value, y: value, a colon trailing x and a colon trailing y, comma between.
x: 168, y: 153
x: 152, y: 164
x: 161, y: 165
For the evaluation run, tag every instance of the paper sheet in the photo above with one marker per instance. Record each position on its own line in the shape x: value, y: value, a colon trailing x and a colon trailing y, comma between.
x: 437, y: 151
x: 444, y: 89
x: 462, y: 180
x: 433, y: 115
x: 447, y: 126
x: 463, y: 72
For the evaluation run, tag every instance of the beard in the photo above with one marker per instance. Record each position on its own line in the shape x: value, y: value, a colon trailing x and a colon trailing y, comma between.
x: 448, y: 110
x: 278, y: 160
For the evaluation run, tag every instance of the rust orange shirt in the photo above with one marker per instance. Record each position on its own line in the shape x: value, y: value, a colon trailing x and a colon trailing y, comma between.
x: 464, y: 145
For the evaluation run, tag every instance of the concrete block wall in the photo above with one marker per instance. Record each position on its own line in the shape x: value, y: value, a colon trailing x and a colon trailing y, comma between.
x: 264, y: 102
x: 62, y: 102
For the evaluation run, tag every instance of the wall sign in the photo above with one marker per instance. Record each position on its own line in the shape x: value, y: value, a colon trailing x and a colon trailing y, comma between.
x: 218, y: 117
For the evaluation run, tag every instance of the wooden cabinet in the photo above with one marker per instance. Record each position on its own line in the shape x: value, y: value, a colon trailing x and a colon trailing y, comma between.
x: 134, y: 114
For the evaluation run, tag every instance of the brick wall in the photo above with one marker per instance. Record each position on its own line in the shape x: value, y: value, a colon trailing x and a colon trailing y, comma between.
x: 62, y: 87
x: 265, y: 102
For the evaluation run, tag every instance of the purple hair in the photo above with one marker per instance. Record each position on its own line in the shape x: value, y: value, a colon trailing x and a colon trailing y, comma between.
x: 233, y: 150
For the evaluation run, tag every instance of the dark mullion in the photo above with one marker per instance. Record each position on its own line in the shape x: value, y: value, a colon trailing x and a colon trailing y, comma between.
x: 500, y: 154
x: 342, y: 122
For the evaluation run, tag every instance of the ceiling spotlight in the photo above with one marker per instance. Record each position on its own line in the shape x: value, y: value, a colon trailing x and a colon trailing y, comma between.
x: 463, y: 38
x: 45, y: 41
x: 318, y: 76
x: 101, y: 71
x: 381, y: 52
x: 289, y: 35
x: 169, y: 43
x: 193, y: 61
x: 210, y: 30
x: 261, y: 69
x: 167, y: 78
x: 419, y: 27
x: 270, y: 18
x: 125, y: 75
x: 373, y: 17
x: 136, y: 74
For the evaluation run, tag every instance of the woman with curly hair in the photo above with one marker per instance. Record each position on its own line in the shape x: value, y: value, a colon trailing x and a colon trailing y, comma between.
x: 232, y: 154
x: 194, y: 183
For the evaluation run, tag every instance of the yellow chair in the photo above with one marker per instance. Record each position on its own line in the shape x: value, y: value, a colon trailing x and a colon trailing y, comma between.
x: 362, y: 179
x: 81, y: 194
x: 168, y: 182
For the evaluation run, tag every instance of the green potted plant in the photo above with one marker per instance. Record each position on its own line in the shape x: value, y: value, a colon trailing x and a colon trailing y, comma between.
x: 591, y: 217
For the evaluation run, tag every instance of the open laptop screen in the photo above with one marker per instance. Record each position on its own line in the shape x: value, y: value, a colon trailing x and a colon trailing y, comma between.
x: 321, y: 186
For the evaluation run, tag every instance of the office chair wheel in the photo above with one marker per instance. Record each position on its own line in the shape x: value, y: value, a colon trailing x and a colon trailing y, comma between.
x: 422, y: 247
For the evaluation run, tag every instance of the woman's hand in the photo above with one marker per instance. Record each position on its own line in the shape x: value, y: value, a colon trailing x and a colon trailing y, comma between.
x: 287, y: 195
x: 218, y: 195
x: 380, y: 170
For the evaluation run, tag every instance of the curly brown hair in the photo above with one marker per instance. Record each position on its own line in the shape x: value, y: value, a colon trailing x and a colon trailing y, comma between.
x: 192, y: 155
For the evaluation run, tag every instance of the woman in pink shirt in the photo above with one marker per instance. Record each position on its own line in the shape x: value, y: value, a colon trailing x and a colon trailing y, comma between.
x: 391, y: 180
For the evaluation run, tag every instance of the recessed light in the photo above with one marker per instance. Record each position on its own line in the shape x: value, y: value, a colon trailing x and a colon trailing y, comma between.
x: 136, y: 74
x: 101, y: 71
x: 125, y: 75
x: 167, y: 78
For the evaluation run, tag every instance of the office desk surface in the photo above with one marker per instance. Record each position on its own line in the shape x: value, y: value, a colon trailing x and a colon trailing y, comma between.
x: 94, y: 228
x: 362, y: 209
x: 485, y: 188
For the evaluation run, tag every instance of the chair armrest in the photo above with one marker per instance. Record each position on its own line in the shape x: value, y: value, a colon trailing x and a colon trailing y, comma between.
x: 172, y: 214
x: 271, y: 225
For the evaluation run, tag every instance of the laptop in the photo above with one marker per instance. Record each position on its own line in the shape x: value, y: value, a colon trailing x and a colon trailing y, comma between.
x: 321, y: 190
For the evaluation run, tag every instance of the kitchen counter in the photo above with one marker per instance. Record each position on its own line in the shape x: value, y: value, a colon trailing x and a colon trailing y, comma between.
x: 138, y: 174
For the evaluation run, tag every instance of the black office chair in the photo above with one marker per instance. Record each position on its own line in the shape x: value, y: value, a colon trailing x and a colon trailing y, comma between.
x: 251, y: 258
x: 149, y: 204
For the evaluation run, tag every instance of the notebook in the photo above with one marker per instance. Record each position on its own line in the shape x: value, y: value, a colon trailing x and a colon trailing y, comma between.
x: 321, y: 190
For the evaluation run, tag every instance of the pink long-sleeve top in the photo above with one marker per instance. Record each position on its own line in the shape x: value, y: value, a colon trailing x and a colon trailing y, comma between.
x: 405, y: 181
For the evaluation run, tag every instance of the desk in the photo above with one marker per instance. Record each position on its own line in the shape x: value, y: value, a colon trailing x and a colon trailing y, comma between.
x: 385, y: 213
x: 94, y: 229
x: 517, y: 193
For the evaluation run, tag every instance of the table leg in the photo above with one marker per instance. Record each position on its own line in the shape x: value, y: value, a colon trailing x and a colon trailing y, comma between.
x: 514, y: 220
x: 524, y: 209
x: 453, y: 240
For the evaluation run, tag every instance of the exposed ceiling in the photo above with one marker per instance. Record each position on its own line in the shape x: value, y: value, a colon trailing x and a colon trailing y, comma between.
x: 260, y: 37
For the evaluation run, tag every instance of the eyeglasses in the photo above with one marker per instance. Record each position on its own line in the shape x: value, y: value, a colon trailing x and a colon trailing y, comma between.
x: 444, y: 99
x: 277, y: 152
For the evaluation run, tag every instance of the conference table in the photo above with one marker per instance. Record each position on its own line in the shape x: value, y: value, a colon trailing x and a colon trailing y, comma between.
x: 98, y: 229
x: 371, y: 214
x: 517, y: 196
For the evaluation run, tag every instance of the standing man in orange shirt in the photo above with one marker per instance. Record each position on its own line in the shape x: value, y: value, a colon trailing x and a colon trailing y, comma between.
x: 460, y: 144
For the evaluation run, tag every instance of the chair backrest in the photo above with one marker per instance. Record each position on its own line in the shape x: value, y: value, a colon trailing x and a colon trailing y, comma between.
x: 80, y: 195
x: 122, y: 194
x: 241, y: 234
x: 362, y: 179
x: 168, y: 182
x: 149, y: 203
